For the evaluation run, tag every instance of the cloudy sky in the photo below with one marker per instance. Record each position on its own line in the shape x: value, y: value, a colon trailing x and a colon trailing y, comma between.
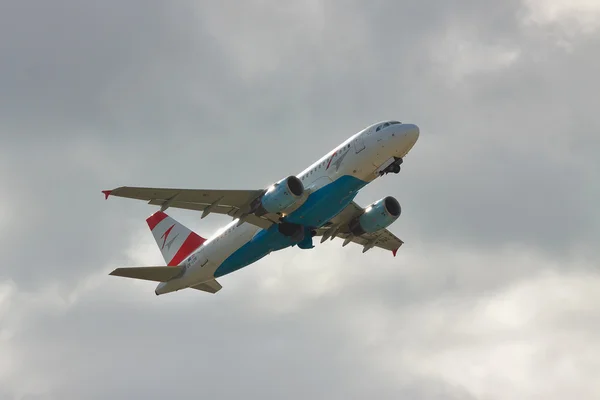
x: 495, y: 293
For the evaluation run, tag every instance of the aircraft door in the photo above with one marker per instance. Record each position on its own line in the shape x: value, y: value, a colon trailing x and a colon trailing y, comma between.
x: 359, y: 143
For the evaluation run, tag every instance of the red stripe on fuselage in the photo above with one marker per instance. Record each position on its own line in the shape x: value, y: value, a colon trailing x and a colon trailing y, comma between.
x: 155, y: 219
x: 191, y: 243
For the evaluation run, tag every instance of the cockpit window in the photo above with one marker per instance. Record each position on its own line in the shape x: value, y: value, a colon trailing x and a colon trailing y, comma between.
x: 382, y: 126
x: 385, y: 125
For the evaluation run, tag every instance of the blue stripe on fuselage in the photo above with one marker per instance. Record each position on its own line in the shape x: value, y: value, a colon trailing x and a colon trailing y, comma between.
x: 322, y: 205
x: 326, y: 202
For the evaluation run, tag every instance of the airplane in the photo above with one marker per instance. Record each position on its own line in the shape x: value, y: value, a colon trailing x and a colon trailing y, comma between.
x: 291, y: 212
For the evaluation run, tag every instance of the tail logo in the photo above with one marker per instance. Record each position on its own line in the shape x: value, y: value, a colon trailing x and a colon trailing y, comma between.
x: 166, y: 235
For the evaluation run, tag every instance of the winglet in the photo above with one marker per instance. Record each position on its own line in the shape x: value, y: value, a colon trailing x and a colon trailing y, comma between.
x: 106, y: 193
x: 394, y: 252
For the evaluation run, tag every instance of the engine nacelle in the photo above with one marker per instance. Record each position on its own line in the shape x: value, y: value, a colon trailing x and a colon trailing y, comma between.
x: 378, y: 215
x: 281, y: 196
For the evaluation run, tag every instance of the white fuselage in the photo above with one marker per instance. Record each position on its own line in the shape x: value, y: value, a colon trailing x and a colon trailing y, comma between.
x: 361, y: 157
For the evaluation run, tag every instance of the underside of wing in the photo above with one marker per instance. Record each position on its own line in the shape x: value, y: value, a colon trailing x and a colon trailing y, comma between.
x: 234, y: 203
x: 384, y: 239
x: 339, y: 227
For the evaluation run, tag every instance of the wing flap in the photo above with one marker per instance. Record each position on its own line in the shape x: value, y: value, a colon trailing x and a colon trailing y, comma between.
x: 226, y: 202
x: 235, y: 198
x: 383, y: 238
x: 261, y: 222
x: 156, y: 274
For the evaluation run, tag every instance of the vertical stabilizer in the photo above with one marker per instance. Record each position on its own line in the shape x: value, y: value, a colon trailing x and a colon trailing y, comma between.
x: 175, y: 241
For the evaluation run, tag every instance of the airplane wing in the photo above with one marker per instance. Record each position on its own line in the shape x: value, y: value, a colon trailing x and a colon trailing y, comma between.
x: 338, y: 227
x: 228, y: 202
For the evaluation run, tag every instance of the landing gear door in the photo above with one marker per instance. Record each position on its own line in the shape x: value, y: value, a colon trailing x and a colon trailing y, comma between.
x: 359, y: 143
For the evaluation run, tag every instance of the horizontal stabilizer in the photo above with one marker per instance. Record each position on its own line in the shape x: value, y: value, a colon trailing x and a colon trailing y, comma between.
x: 211, y: 286
x: 156, y: 274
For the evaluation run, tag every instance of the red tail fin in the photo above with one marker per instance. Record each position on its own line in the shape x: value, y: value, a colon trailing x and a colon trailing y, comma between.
x: 175, y: 241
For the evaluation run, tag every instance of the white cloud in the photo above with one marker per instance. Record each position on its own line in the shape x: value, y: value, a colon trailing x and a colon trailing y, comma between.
x: 17, y: 311
x: 516, y: 336
x: 7, y: 360
x: 532, y: 338
x: 298, y: 24
x: 572, y: 16
x: 460, y: 53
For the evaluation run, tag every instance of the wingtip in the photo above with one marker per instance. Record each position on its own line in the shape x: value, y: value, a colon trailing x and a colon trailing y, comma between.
x: 106, y: 193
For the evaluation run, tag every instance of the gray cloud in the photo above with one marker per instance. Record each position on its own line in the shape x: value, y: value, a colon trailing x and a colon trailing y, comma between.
x: 500, y: 190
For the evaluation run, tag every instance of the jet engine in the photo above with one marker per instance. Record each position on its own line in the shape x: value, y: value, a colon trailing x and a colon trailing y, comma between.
x: 280, y: 196
x: 378, y: 215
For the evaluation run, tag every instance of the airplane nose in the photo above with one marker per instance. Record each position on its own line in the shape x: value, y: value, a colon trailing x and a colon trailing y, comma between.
x: 411, y: 132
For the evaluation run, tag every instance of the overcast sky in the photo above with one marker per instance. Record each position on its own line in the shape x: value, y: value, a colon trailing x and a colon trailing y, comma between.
x: 494, y: 294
